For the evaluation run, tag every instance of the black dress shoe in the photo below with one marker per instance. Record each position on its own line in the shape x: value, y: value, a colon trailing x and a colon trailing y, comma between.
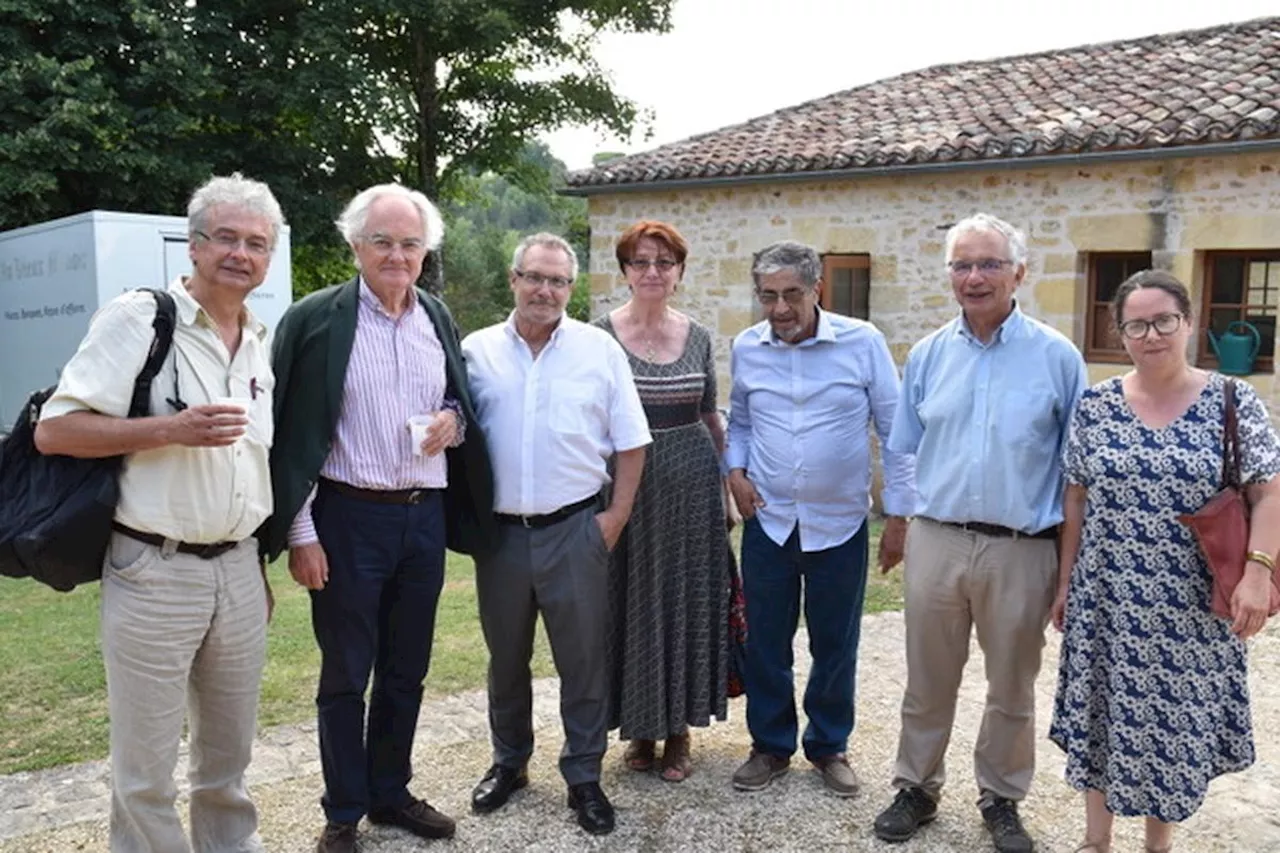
x: 496, y: 788
x: 418, y: 817
x: 337, y: 838
x: 595, y: 812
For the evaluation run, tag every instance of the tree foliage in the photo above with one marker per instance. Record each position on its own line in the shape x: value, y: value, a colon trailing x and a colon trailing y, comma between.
x: 129, y: 104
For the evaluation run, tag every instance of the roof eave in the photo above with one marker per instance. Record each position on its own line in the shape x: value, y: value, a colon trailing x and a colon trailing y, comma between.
x: 1246, y: 146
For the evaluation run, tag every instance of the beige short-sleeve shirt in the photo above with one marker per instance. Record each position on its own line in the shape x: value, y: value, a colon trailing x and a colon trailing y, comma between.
x: 191, y: 494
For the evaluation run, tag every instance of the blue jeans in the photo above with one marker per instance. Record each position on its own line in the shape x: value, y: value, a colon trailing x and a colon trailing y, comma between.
x: 376, y: 615
x: 835, y: 584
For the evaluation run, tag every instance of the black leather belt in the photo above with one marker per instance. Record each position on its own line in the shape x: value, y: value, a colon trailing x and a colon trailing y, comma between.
x: 547, y: 519
x: 203, y: 551
x: 999, y: 530
x: 401, y: 497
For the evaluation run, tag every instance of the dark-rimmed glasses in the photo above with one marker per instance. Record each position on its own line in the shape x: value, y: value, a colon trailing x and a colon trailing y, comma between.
x: 1164, y: 324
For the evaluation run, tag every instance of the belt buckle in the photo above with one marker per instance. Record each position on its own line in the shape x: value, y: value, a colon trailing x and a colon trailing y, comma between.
x: 416, y: 496
x: 524, y: 519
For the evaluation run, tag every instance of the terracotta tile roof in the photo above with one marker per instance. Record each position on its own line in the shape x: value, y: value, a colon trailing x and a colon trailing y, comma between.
x: 1179, y: 89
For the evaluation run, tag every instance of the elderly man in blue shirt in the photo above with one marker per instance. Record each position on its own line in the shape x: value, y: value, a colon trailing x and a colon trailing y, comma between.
x: 985, y: 404
x: 806, y: 386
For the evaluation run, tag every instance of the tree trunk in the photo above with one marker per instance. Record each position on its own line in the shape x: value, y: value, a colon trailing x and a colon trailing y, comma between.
x: 427, y: 94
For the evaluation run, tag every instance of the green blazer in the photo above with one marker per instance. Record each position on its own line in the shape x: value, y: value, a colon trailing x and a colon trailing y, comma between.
x: 309, y: 356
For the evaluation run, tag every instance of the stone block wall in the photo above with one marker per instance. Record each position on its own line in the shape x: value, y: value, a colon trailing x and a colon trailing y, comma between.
x: 1176, y: 208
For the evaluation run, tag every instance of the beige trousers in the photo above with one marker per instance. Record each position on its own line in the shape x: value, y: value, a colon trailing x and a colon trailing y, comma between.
x: 181, y: 634
x: 1004, y: 587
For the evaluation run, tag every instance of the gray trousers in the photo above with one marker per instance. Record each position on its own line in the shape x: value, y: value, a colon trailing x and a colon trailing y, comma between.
x: 562, y: 571
x: 182, y: 635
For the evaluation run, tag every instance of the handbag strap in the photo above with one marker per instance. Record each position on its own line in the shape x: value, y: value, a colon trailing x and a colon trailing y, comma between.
x: 1230, y: 438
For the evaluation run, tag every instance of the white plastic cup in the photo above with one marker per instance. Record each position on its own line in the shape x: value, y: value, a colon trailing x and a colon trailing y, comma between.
x: 418, y: 425
x: 239, y: 402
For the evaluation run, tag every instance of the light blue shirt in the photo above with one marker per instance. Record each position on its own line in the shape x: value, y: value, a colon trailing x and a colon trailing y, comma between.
x: 799, y: 424
x: 987, y: 422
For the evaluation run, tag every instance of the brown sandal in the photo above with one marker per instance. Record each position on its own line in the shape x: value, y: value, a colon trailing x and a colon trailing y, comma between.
x: 1094, y: 847
x: 676, y: 766
x: 639, y: 755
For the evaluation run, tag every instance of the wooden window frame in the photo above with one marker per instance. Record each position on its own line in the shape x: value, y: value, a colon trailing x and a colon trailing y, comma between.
x: 844, y: 261
x: 1104, y: 355
x: 1204, y: 352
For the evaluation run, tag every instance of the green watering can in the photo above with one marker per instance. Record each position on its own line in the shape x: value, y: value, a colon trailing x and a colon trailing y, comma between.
x: 1236, y: 352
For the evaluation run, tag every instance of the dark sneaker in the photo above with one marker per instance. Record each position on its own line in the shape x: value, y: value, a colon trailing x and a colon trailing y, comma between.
x: 1007, y: 833
x: 911, y: 809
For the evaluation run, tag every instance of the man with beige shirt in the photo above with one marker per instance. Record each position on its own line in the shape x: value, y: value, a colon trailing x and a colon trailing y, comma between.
x: 184, y: 602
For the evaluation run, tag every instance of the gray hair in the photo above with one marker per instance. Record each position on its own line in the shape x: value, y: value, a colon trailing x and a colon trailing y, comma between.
x: 546, y: 240
x: 352, y: 220
x: 234, y: 190
x: 985, y: 222
x: 803, y: 260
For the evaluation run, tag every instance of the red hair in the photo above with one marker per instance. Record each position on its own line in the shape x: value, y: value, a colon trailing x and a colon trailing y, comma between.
x: 660, y: 232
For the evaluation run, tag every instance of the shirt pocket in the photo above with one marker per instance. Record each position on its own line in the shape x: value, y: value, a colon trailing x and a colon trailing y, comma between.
x: 1029, y: 419
x: 574, y: 406
x: 261, y: 418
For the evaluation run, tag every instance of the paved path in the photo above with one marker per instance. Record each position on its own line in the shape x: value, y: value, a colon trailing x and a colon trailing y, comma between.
x: 65, y: 809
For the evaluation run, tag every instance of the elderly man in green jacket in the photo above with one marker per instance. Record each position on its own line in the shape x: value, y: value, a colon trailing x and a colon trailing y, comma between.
x: 366, y: 504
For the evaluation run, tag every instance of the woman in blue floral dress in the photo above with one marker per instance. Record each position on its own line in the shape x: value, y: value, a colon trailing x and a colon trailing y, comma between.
x: 1153, y: 698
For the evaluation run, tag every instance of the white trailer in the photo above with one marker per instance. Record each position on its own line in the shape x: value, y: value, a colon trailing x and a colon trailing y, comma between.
x: 55, y: 275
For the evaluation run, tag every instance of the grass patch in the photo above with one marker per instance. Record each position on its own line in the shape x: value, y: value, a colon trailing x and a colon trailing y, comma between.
x: 54, y: 690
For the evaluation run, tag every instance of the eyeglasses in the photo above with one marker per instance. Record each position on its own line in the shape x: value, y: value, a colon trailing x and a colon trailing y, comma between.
x: 792, y: 295
x: 228, y: 241
x: 643, y: 264
x: 1164, y: 324
x: 385, y: 245
x: 986, y: 266
x: 538, y: 279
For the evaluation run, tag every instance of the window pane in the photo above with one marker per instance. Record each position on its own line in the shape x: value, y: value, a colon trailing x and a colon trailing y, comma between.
x: 860, y: 285
x: 1104, y: 332
x: 1228, y: 279
x: 1266, y: 326
x: 841, y: 301
x: 1220, y: 318
x: 1109, y: 273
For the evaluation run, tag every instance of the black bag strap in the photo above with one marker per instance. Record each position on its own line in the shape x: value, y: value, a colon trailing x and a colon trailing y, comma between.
x: 163, y: 325
x: 1230, y: 438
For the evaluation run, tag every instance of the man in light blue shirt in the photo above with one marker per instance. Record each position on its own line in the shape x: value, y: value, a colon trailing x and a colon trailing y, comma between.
x: 985, y: 404
x: 806, y: 385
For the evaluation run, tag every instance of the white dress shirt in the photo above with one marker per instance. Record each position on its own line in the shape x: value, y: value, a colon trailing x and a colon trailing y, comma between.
x: 799, y: 424
x: 552, y: 422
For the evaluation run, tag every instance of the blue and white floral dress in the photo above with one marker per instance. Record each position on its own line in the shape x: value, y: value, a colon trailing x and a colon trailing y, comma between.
x: 1152, y: 700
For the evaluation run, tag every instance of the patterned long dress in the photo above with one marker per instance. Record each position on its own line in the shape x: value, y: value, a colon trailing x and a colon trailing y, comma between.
x: 669, y: 575
x: 1152, y: 699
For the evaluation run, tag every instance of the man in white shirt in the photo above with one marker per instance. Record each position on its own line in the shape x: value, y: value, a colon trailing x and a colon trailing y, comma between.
x: 184, y: 603
x: 806, y: 386
x: 555, y: 400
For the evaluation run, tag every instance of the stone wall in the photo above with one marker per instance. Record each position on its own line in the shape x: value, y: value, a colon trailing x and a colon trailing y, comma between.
x: 1175, y: 208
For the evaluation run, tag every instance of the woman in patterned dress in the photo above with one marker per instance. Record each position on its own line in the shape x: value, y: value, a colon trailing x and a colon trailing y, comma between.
x: 1152, y: 698
x: 669, y: 576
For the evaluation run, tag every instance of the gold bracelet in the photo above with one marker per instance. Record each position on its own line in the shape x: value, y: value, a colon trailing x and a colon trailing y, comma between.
x: 1262, y: 558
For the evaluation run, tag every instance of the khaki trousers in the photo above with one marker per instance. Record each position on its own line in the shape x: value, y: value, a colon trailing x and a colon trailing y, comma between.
x: 955, y: 579
x: 182, y: 634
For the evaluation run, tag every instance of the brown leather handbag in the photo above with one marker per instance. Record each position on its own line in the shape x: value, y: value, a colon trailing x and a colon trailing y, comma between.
x: 1221, y: 526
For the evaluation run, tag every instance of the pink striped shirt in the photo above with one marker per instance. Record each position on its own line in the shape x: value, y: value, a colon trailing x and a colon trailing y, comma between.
x: 397, y: 370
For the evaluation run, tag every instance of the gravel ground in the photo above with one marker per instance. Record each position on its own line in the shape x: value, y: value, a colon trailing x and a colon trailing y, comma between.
x: 64, y: 810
